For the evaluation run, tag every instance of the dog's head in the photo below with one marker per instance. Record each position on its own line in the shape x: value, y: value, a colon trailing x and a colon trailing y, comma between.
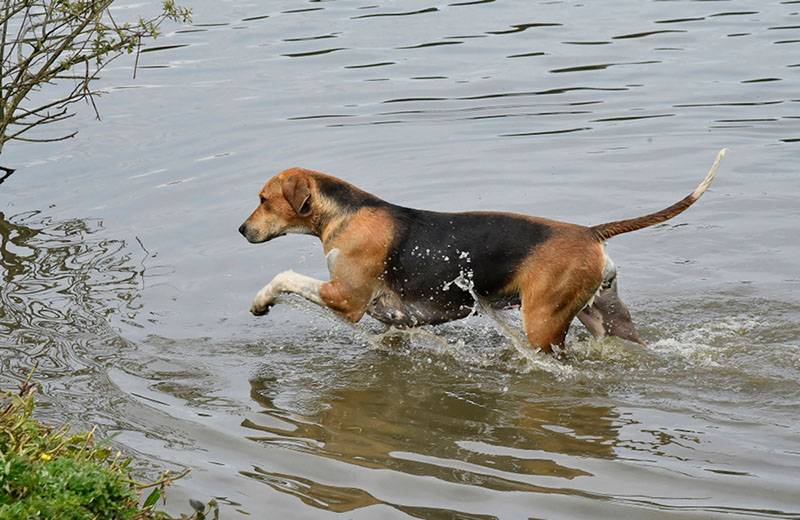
x: 285, y: 206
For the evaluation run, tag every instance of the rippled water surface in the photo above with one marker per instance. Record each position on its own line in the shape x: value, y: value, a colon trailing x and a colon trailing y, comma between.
x: 125, y: 280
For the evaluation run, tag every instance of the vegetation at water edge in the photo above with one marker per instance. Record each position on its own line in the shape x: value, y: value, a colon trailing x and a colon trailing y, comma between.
x: 51, y: 473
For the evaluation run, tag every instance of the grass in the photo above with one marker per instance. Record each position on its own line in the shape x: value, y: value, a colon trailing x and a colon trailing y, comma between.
x: 51, y: 473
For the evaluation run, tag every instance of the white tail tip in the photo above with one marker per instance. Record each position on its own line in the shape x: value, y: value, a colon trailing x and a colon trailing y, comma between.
x: 710, y: 176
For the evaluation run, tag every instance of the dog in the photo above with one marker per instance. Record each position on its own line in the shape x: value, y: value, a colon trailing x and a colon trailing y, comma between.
x: 409, y: 267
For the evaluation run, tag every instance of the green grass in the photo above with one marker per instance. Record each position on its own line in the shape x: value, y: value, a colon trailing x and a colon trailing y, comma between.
x: 50, y: 473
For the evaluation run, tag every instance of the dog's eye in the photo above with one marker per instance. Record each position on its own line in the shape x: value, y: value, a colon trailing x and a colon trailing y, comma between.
x: 262, y: 199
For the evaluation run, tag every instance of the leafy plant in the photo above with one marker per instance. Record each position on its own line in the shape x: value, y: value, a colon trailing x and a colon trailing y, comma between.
x: 48, y: 473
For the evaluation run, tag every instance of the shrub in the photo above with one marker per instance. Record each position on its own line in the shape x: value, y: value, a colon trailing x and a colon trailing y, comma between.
x: 49, y: 473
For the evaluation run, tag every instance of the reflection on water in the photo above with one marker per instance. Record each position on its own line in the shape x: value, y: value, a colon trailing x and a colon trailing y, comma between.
x: 440, y: 426
x: 582, y: 111
x: 392, y: 423
x: 61, y: 285
x: 464, y: 434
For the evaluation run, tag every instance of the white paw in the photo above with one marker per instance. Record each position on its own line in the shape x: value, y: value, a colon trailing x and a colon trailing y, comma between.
x: 263, y: 301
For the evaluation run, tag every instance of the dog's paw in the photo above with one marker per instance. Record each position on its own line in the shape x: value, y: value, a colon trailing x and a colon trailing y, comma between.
x: 263, y: 302
x: 260, y: 310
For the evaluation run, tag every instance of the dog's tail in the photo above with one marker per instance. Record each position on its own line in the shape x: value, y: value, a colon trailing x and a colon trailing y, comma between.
x: 605, y: 231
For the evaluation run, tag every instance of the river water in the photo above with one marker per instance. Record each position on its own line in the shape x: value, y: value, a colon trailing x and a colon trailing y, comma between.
x: 125, y: 280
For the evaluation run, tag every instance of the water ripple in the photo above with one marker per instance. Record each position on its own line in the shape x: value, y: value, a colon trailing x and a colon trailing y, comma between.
x: 645, y: 34
x: 318, y: 52
x: 62, y: 283
x: 524, y: 27
x: 430, y: 44
x: 406, y: 13
x: 463, y: 104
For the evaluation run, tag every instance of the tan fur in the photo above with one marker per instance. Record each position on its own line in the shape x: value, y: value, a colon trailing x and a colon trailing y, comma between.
x: 291, y: 201
x: 363, y: 242
x: 558, y: 279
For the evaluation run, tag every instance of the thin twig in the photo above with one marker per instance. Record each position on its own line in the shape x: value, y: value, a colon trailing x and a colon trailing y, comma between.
x: 40, y: 140
x: 136, y: 61
x: 164, y: 480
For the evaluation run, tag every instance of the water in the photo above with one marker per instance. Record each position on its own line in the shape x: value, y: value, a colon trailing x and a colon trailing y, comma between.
x: 126, y: 281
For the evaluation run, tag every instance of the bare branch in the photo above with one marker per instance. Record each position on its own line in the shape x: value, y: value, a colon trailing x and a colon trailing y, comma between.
x: 11, y: 10
x: 39, y: 140
x: 43, y: 119
x: 45, y: 42
x: 61, y: 115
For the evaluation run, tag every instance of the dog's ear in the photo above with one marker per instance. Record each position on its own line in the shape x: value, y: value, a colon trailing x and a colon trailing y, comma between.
x: 297, y: 191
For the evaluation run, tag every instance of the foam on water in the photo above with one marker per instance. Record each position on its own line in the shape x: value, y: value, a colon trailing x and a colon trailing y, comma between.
x: 484, y: 340
x: 729, y: 343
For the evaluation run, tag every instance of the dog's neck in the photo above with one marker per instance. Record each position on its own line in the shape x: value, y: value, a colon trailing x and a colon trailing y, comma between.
x: 328, y: 230
x: 336, y: 202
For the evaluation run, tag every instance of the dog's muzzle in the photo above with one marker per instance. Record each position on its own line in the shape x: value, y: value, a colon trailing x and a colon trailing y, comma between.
x: 246, y: 233
x: 251, y: 237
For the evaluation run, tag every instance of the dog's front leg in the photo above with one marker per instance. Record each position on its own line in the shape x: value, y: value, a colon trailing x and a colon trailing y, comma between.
x: 286, y: 282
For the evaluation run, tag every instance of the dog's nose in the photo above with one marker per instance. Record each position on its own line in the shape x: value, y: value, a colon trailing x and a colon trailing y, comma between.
x: 243, y: 229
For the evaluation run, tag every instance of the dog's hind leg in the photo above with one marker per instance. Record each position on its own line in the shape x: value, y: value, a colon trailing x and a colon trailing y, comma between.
x: 557, y: 283
x: 545, y: 326
x: 548, y: 310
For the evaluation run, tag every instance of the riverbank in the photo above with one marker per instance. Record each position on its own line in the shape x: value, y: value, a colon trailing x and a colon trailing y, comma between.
x: 53, y: 473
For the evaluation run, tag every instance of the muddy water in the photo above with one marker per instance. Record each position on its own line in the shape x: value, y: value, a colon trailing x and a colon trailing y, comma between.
x: 125, y: 280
